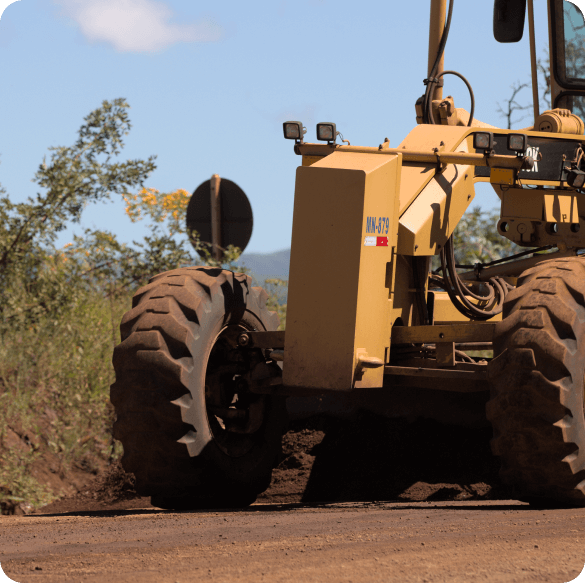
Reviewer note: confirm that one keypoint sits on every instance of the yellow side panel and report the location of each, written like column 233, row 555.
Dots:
column 446, row 313
column 502, row 176
column 344, row 228
column 525, row 203
column 429, row 221
column 310, row 160
column 561, row 209
column 426, row 137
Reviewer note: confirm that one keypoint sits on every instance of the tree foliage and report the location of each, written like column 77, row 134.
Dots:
column 38, row 278
column 477, row 240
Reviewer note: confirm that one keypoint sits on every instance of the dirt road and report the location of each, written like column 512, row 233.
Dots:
column 493, row 541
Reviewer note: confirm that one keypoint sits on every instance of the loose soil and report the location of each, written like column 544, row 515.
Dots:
column 449, row 520
column 334, row 460
column 415, row 542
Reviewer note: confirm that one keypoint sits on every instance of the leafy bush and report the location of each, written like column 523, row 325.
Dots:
column 61, row 307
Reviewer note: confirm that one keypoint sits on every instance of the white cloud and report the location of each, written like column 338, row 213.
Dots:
column 135, row 25
column 4, row 4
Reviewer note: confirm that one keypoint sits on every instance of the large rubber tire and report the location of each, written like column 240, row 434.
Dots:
column 537, row 376
column 178, row 353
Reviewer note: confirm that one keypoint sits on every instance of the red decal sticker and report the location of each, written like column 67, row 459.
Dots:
column 381, row 241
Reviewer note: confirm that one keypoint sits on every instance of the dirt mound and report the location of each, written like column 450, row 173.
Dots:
column 113, row 489
column 374, row 458
column 327, row 459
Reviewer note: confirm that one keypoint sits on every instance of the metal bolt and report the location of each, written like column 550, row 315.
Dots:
column 243, row 339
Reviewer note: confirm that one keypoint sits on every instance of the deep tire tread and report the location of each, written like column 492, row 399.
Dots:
column 151, row 391
column 536, row 405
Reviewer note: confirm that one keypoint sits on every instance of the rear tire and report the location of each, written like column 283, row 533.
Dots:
column 537, row 375
column 193, row 435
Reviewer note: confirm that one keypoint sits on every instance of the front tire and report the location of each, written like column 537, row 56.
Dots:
column 537, row 375
column 193, row 435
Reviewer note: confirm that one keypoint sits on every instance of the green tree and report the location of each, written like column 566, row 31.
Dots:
column 36, row 277
column 477, row 240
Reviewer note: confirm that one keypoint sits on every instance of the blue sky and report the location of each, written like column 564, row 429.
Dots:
column 210, row 83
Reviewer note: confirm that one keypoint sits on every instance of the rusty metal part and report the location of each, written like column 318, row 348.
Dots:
column 445, row 352
column 474, row 345
column 480, row 374
column 458, row 333
column 463, row 377
column 402, row 349
column 263, row 339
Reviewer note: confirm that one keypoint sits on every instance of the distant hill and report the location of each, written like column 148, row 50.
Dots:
column 265, row 265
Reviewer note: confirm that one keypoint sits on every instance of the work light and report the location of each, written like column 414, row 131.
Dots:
column 483, row 141
column 326, row 132
column 293, row 130
column 517, row 142
column 576, row 178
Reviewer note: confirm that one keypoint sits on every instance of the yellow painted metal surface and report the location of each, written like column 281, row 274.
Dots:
column 561, row 208
column 310, row 160
column 344, row 229
column 528, row 215
column 502, row 176
column 446, row 313
column 425, row 137
column 525, row 203
column 457, row 332
column 431, row 219
column 401, row 291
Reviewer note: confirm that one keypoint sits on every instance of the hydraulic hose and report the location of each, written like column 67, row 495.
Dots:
column 487, row 306
column 471, row 95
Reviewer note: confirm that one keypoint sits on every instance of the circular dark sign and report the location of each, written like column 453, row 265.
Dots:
column 235, row 215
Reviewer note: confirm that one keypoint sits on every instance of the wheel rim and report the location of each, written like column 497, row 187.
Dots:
column 235, row 415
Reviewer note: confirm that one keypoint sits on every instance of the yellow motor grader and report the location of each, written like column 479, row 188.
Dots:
column 203, row 374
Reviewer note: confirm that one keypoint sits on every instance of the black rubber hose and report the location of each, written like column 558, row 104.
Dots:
column 458, row 292
column 471, row 95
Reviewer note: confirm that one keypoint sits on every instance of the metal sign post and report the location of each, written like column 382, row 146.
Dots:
column 220, row 214
column 216, row 251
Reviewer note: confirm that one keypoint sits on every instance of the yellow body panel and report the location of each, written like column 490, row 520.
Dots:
column 310, row 160
column 424, row 138
column 503, row 176
column 561, row 208
column 446, row 313
column 432, row 217
column 527, row 215
column 518, row 202
column 339, row 304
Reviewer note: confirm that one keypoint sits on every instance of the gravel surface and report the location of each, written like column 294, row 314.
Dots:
column 370, row 499
column 458, row 542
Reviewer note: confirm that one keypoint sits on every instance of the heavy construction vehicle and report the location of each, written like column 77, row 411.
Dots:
column 202, row 374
